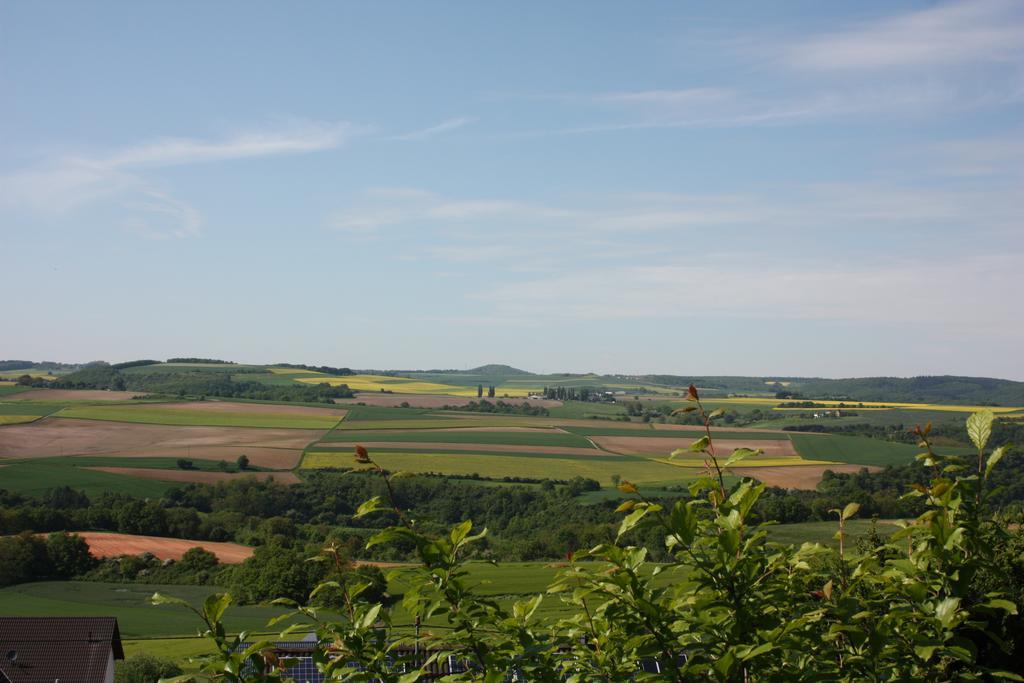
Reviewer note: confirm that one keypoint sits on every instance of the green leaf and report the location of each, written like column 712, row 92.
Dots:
column 850, row 510
column 215, row 605
column 1005, row 605
column 994, row 458
column 718, row 412
column 460, row 532
column 925, row 652
column 979, row 428
column 700, row 445
column 946, row 611
column 161, row 599
column 391, row 534
column 369, row 506
column 370, row 617
column 741, row 454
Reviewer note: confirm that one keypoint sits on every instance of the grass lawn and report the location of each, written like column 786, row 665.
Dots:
column 153, row 414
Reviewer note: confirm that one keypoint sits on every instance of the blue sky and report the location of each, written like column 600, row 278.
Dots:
column 791, row 188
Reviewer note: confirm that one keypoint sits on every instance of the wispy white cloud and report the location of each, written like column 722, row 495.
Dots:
column 294, row 138
column 443, row 127
column 892, row 291
column 70, row 182
column 956, row 33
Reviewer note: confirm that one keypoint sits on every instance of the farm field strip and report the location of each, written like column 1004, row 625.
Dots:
column 316, row 459
column 194, row 476
column 804, row 476
column 631, row 445
column 18, row 419
column 681, row 434
column 507, row 465
column 150, row 414
column 438, row 447
column 106, row 544
column 554, row 438
column 755, row 462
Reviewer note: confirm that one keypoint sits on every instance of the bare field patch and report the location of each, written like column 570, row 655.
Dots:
column 194, row 476
column 73, row 395
column 103, row 544
column 658, row 446
column 66, row 436
column 700, row 430
column 804, row 477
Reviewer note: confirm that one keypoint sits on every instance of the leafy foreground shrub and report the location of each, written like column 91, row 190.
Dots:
column 922, row 606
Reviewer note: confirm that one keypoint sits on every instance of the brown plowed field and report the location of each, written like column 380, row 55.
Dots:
column 473, row 447
column 111, row 545
column 433, row 400
column 194, row 476
column 654, row 445
column 547, row 430
column 805, row 477
column 253, row 408
column 266, row 447
column 73, row 395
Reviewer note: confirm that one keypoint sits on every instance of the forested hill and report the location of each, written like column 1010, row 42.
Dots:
column 931, row 389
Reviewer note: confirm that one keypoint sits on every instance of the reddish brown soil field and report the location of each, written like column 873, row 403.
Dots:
column 805, row 477
column 111, row 545
column 654, row 445
column 266, row 447
column 472, row 447
column 72, row 395
column 433, row 400
column 193, row 476
column 253, row 408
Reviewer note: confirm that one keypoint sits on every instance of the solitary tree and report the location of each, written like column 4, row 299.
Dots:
column 243, row 462
column 479, row 390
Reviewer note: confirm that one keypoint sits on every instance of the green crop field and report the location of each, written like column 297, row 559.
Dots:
column 601, row 468
column 856, row 450
column 824, row 532
column 552, row 438
column 357, row 413
column 129, row 603
column 696, row 433
column 36, row 476
column 584, row 409
column 153, row 414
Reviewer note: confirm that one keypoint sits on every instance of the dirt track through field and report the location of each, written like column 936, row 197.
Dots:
column 73, row 395
column 103, row 544
column 195, row 476
column 473, row 447
column 265, row 446
column 658, row 446
column 804, row 477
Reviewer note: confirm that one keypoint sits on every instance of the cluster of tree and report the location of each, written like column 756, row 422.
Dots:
column 27, row 557
column 204, row 361
column 197, row 567
column 480, row 391
column 576, row 394
column 134, row 364
column 324, row 369
column 47, row 365
column 189, row 382
column 524, row 408
column 241, row 464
